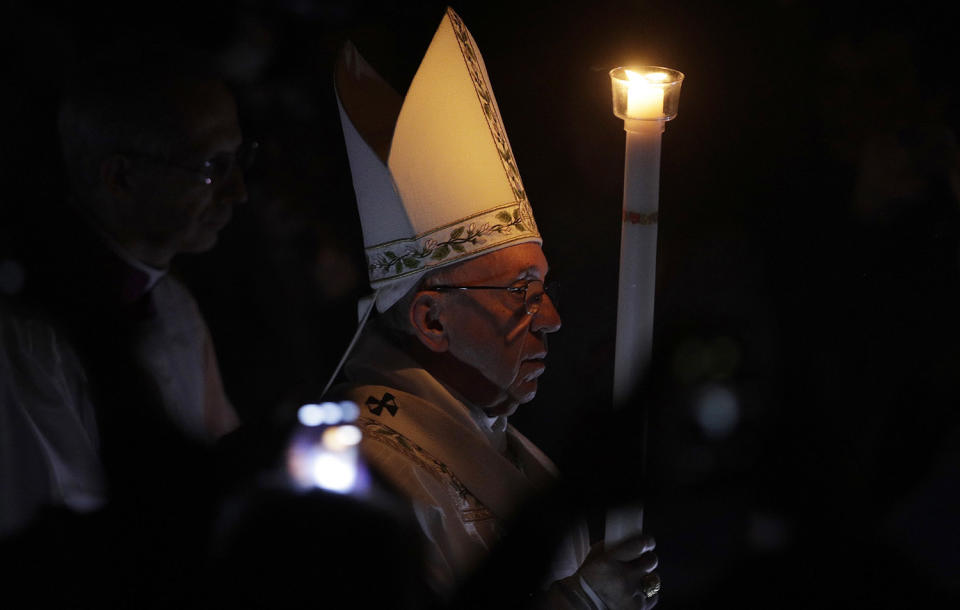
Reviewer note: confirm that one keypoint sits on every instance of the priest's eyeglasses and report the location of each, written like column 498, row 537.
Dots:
column 215, row 169
column 531, row 292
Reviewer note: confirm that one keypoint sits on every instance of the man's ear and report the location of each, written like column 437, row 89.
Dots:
column 426, row 319
column 115, row 176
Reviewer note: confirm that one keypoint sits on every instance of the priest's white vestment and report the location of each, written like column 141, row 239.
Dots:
column 466, row 473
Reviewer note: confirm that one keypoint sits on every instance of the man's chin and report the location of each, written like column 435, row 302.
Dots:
column 201, row 243
column 525, row 392
column 521, row 395
column 508, row 408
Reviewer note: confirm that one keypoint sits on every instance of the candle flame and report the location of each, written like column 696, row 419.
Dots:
column 650, row 77
column 645, row 94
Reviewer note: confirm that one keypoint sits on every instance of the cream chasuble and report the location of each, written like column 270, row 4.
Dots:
column 429, row 444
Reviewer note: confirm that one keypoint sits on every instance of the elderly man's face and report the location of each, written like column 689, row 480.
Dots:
column 491, row 332
column 177, row 202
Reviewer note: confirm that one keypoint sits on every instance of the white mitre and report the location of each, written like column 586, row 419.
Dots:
column 434, row 174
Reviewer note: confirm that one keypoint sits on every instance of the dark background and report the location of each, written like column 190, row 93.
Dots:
column 804, row 449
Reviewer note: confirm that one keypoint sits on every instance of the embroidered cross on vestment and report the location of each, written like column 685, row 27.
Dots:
column 388, row 402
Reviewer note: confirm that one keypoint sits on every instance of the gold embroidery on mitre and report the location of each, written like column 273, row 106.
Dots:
column 465, row 237
column 489, row 104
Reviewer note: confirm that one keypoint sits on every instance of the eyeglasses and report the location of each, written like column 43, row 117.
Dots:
column 531, row 292
column 217, row 167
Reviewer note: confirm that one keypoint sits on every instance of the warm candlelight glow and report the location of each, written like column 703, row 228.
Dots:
column 645, row 94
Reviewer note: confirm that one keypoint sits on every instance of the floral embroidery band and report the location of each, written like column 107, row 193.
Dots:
column 469, row 236
column 487, row 102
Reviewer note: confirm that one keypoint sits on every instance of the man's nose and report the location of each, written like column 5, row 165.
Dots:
column 233, row 189
column 547, row 319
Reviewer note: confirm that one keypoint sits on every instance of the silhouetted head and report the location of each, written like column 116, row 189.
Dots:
column 153, row 151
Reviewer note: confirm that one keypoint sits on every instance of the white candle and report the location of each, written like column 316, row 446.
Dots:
column 636, row 290
column 640, row 100
column 638, row 259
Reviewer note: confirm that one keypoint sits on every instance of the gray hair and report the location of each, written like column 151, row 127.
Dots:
column 396, row 320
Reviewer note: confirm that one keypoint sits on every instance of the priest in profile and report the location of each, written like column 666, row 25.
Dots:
column 463, row 313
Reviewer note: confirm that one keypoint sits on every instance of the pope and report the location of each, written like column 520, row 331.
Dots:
column 463, row 313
